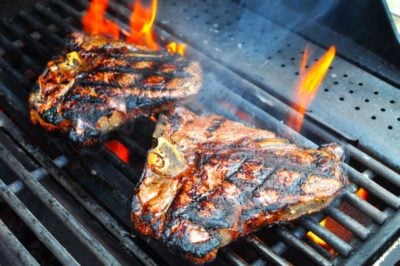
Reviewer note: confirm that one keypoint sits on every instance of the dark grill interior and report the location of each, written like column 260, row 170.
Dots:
column 69, row 206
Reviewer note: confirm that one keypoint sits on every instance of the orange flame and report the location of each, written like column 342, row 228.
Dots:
column 308, row 83
column 153, row 118
column 118, row 149
column 304, row 59
column 329, row 223
column 176, row 48
column 141, row 23
column 362, row 193
column 94, row 21
column 318, row 240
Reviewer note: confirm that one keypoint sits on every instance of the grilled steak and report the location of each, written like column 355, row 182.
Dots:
column 210, row 180
column 100, row 83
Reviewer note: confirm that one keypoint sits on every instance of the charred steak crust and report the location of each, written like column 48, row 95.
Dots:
column 210, row 180
column 99, row 84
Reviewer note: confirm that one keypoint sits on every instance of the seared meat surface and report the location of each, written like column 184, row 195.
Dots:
column 210, row 180
column 100, row 83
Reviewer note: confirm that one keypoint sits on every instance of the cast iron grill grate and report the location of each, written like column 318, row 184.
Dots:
column 84, row 200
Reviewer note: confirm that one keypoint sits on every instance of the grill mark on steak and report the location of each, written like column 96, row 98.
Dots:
column 144, row 71
column 100, row 84
column 210, row 180
column 216, row 124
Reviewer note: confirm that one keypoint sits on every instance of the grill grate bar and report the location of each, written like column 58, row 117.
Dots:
column 121, row 166
column 36, row 226
column 57, row 208
column 120, row 9
column 348, row 222
column 40, row 27
column 20, row 33
column 12, row 243
column 281, row 247
column 375, row 165
column 51, row 15
column 107, row 185
column 265, row 251
column 333, row 240
column 20, row 79
column 11, row 97
column 364, row 206
column 133, row 146
column 78, row 193
column 16, row 52
column 232, row 257
column 292, row 240
column 373, row 187
column 38, row 174
column 68, row 9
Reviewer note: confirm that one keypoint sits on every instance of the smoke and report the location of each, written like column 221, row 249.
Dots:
column 256, row 42
column 292, row 14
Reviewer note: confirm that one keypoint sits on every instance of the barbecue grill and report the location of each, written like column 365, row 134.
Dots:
column 69, row 206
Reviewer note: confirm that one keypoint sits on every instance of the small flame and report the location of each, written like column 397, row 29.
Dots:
column 118, row 149
column 141, row 24
column 94, row 20
column 319, row 241
column 331, row 225
column 153, row 118
column 362, row 193
column 176, row 48
column 304, row 60
column 308, row 84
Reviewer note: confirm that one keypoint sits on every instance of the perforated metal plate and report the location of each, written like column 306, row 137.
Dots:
column 353, row 102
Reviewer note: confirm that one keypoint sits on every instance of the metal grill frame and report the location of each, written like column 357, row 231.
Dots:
column 385, row 222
